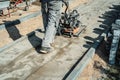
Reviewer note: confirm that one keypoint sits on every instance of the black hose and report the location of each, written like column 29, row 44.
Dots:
column 67, row 5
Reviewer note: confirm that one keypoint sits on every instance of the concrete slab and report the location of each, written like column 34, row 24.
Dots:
column 22, row 59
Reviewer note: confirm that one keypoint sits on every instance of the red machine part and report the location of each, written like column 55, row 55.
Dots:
column 18, row 1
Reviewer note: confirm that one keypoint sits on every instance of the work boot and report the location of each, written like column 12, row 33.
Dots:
column 46, row 50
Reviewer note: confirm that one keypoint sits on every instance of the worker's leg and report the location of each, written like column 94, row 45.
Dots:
column 44, row 11
column 56, row 25
column 54, row 8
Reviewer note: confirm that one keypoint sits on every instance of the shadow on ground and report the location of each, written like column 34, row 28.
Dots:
column 14, row 34
column 109, row 72
column 109, row 17
column 12, row 29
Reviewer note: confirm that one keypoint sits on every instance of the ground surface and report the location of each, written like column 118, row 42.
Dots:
column 99, row 69
column 91, row 12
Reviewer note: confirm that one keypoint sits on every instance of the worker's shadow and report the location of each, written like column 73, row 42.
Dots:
column 12, row 29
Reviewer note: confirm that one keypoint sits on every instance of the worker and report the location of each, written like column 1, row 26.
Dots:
column 51, row 13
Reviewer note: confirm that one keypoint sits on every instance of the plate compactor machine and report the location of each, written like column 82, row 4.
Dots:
column 69, row 25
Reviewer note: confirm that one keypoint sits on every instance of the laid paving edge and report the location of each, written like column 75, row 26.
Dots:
column 12, row 43
column 18, row 21
column 17, row 41
column 13, row 50
column 86, row 59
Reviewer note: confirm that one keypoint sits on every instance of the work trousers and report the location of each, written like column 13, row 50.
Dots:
column 51, row 13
